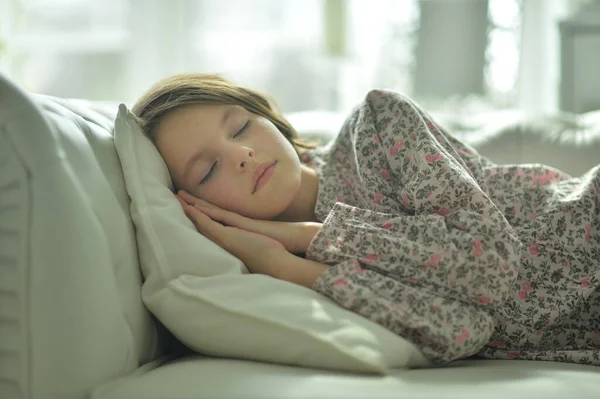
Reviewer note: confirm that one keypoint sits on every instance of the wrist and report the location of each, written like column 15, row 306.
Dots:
column 309, row 231
column 300, row 271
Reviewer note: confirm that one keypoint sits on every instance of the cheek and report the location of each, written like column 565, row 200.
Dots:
column 228, row 196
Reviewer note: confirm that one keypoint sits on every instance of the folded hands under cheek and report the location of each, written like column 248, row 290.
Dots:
column 253, row 241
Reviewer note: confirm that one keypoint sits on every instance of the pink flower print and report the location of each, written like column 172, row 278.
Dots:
column 460, row 338
column 370, row 258
column 398, row 146
column 587, row 228
column 358, row 268
column 341, row 281
column 566, row 264
column 543, row 179
column 525, row 288
column 512, row 355
column 477, row 251
column 499, row 343
column 341, row 198
column 385, row 174
column 534, row 249
column 443, row 211
column 405, row 201
column 412, row 280
column 532, row 216
column 431, row 126
column 555, row 308
column 452, row 283
column 348, row 184
column 387, row 226
column 484, row 300
column 430, row 158
column 400, row 309
column 376, row 139
column 433, row 262
column 466, row 153
column 585, row 283
column 378, row 197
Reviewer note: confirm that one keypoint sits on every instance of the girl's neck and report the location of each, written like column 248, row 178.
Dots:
column 302, row 208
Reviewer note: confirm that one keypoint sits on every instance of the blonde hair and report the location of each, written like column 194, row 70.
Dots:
column 202, row 88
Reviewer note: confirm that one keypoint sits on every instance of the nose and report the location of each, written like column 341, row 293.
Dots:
column 247, row 156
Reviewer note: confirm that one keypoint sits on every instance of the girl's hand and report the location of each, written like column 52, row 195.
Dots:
column 259, row 253
column 294, row 236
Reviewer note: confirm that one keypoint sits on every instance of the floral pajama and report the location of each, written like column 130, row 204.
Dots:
column 456, row 254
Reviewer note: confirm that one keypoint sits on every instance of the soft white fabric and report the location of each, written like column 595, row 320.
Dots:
column 71, row 316
column 464, row 379
column 207, row 298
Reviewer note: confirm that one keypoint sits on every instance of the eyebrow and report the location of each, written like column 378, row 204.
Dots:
column 199, row 155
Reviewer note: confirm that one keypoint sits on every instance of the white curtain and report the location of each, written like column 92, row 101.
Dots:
column 309, row 54
column 539, row 74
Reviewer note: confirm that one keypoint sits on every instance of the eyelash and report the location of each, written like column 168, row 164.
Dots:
column 210, row 172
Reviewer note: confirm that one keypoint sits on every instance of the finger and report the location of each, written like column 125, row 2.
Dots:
column 190, row 199
column 181, row 202
column 193, row 200
column 203, row 223
column 226, row 217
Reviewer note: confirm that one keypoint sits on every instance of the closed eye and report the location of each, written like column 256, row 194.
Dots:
column 210, row 172
column 244, row 128
column 205, row 179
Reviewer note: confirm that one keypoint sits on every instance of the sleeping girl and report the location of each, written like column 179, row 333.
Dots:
column 394, row 219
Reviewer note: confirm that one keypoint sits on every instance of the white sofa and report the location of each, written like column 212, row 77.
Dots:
column 72, row 323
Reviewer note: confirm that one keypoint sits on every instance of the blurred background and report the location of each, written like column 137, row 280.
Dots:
column 537, row 55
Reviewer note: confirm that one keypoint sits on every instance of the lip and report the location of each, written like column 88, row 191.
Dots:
column 259, row 172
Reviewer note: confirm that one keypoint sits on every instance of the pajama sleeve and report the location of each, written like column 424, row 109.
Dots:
column 433, row 271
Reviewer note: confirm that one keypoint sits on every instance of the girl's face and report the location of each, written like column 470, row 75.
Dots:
column 214, row 152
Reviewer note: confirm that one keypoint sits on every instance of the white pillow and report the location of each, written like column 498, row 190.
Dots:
column 206, row 297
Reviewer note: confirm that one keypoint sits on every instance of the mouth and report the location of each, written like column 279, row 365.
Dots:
column 262, row 174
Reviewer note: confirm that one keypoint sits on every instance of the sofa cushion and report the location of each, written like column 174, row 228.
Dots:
column 71, row 314
column 463, row 379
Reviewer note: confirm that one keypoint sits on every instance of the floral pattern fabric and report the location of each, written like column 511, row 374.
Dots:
column 458, row 255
